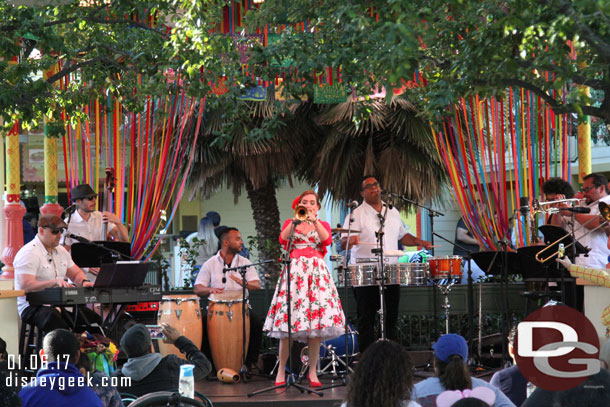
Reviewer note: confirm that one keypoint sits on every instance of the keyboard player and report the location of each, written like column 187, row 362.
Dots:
column 43, row 263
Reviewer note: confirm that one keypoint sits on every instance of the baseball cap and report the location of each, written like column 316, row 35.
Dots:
column 136, row 341
column 52, row 222
column 449, row 345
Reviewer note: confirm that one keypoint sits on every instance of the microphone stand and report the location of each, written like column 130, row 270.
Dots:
column 289, row 378
column 504, row 287
column 243, row 371
column 343, row 269
column 381, row 273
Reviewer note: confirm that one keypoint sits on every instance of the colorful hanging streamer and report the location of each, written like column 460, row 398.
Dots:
column 498, row 150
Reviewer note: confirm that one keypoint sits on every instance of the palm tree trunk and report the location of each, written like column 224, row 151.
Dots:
column 267, row 222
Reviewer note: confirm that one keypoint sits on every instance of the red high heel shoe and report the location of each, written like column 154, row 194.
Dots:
column 314, row 384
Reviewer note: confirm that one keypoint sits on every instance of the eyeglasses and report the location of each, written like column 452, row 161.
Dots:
column 374, row 184
column 587, row 189
column 91, row 197
column 54, row 231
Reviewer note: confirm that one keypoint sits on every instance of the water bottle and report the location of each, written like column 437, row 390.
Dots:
column 186, row 385
column 530, row 389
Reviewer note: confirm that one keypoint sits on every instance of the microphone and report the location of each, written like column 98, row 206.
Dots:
column 70, row 209
column 79, row 238
column 578, row 209
column 524, row 203
column 352, row 204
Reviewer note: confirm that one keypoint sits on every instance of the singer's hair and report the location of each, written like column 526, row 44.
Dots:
column 557, row 185
column 310, row 192
column 598, row 180
column 205, row 231
column 59, row 345
column 383, row 377
column 453, row 375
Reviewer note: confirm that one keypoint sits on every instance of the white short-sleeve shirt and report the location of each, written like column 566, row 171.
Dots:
column 596, row 241
column 90, row 229
column 211, row 273
column 366, row 220
column 35, row 260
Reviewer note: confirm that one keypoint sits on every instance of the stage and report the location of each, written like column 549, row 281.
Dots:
column 236, row 394
column 222, row 394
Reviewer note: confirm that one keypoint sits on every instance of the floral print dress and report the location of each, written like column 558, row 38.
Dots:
column 315, row 306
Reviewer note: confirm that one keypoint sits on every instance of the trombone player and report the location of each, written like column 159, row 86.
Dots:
column 590, row 229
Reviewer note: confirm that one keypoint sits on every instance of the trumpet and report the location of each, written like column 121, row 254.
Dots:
column 301, row 213
column 604, row 213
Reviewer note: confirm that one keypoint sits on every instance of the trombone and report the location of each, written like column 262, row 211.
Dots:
column 604, row 213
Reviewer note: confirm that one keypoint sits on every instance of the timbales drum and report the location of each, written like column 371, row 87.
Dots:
column 445, row 267
column 407, row 273
column 362, row 274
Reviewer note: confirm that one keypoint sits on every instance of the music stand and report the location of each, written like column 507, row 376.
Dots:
column 98, row 253
column 556, row 235
column 491, row 262
column 502, row 263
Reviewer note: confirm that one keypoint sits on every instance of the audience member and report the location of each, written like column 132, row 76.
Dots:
column 60, row 383
column 383, row 378
column 595, row 391
column 479, row 397
column 105, row 391
column 450, row 354
column 150, row 372
column 205, row 232
column 3, row 357
column 8, row 397
column 510, row 380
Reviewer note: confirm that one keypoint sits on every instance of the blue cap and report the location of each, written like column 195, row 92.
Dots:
column 449, row 345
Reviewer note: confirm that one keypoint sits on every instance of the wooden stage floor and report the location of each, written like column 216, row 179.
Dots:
column 236, row 394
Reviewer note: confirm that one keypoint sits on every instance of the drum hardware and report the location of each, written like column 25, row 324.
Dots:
column 343, row 230
column 287, row 261
column 445, row 289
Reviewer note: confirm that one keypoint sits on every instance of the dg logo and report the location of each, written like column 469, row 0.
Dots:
column 557, row 348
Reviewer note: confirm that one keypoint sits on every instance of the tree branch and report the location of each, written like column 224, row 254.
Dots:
column 602, row 47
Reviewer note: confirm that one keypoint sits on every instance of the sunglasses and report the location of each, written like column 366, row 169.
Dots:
column 91, row 197
column 374, row 184
column 54, row 231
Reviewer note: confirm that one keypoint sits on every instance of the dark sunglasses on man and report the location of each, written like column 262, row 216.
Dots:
column 54, row 231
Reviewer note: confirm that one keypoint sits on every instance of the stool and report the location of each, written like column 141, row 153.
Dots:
column 30, row 343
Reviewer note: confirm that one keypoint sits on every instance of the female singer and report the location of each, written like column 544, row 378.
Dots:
column 316, row 312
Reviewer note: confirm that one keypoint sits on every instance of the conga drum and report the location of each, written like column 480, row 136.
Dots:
column 183, row 313
column 225, row 329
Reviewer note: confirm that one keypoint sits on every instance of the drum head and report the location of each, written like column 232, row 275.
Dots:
column 225, row 296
